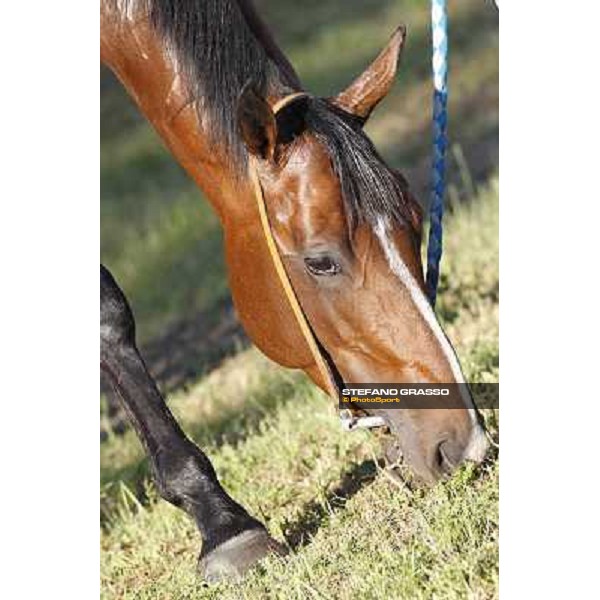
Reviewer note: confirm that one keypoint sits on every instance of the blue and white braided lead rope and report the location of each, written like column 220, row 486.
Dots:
column 439, row 25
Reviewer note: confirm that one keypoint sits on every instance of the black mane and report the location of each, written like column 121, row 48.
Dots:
column 218, row 53
column 216, row 44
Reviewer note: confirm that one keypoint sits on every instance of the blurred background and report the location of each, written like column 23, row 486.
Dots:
column 272, row 437
column 159, row 236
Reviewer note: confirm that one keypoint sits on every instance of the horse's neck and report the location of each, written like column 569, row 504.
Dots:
column 134, row 51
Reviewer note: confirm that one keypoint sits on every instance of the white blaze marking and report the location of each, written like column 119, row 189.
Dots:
column 478, row 442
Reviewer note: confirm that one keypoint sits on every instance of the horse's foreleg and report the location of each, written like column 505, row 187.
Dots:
column 184, row 476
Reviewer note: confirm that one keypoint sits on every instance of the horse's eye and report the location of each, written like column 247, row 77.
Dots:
column 322, row 265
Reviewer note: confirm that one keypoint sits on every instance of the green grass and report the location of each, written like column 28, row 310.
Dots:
column 274, row 439
column 278, row 448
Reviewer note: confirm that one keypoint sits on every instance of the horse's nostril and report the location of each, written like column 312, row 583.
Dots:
column 444, row 458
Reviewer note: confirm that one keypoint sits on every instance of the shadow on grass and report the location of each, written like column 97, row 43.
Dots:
column 298, row 533
column 192, row 347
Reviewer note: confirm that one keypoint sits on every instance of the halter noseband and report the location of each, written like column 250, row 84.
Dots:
column 349, row 420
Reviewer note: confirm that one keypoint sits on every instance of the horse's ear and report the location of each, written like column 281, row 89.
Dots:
column 256, row 122
column 369, row 88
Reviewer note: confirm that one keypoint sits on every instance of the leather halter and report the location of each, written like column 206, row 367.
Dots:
column 349, row 420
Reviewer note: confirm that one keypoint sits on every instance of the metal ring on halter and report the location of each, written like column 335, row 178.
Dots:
column 351, row 422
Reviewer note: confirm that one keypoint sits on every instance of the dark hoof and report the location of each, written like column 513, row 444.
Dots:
column 233, row 558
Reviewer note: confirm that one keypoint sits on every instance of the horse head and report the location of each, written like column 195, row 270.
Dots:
column 348, row 231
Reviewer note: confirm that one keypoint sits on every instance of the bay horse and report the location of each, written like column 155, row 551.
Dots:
column 209, row 77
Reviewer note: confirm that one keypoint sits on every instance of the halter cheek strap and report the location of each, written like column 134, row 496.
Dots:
column 349, row 420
